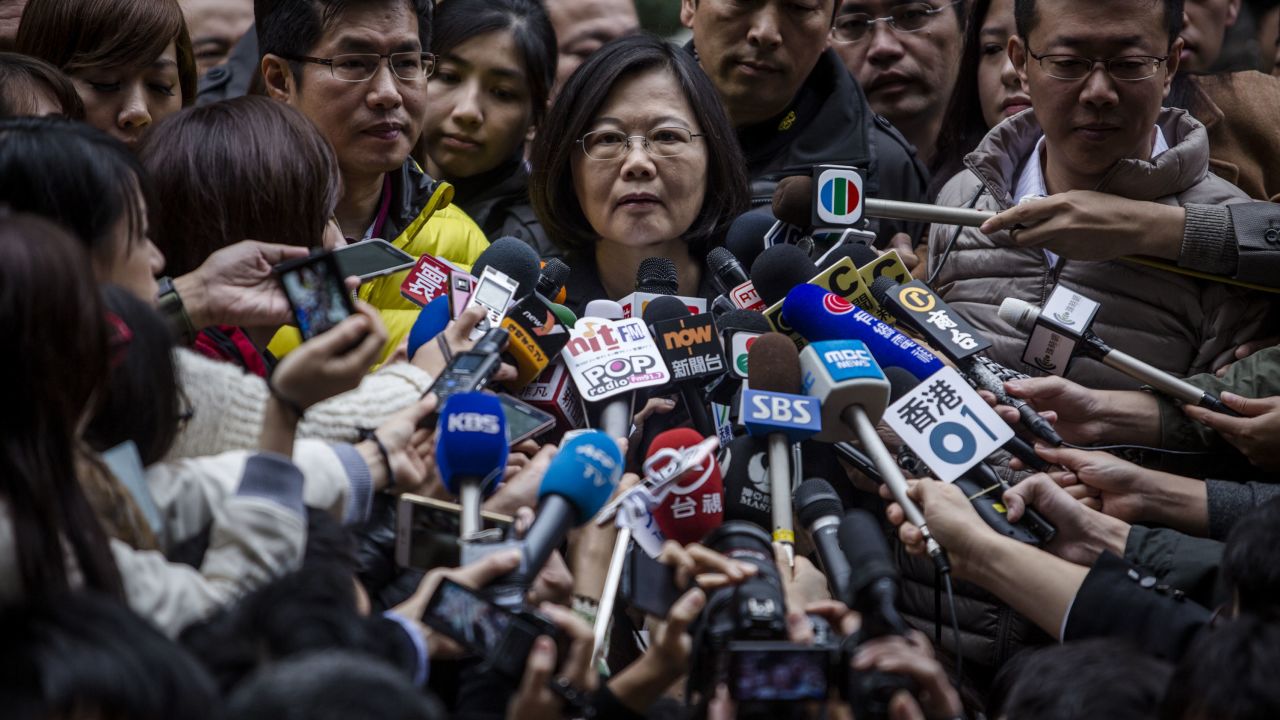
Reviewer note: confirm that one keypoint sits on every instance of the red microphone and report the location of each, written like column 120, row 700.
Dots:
column 694, row 505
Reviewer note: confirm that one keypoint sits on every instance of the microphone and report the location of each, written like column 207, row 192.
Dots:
column 853, row 392
column 695, row 505
column 471, row 451
column 551, row 282
column 657, row 277
column 819, row 508
column 609, row 360
column 537, row 335
column 747, row 235
column 554, row 393
column 800, row 192
column 738, row 332
column 731, row 280
column 1023, row 315
column 873, row 579
column 429, row 279
column 578, row 482
column 515, row 259
column 860, row 254
column 432, row 320
column 772, row 406
column 746, row 481
column 607, row 309
column 691, row 349
column 820, row 316
column 916, row 305
column 981, row 484
column 783, row 267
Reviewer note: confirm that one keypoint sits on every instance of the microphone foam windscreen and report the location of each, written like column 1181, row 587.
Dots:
column 745, row 237
column 514, row 258
column 695, row 505
column 864, row 546
column 555, row 273
column 775, row 364
column 658, row 275
column 881, row 288
column 860, row 254
column 779, row 269
column 471, row 439
column 816, row 498
column 743, row 320
column 602, row 308
column 793, row 200
column 667, row 307
column 584, row 472
column 431, row 321
column 901, row 382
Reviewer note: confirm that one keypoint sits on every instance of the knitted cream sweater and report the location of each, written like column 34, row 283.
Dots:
column 228, row 405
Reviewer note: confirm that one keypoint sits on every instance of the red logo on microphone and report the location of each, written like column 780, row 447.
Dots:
column 836, row 305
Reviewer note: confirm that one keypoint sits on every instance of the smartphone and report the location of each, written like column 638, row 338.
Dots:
column 316, row 293
column 502, row 638
column 427, row 531
column 778, row 672
column 648, row 585
column 372, row 258
column 524, row 421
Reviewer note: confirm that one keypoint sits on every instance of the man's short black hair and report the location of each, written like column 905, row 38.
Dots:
column 1024, row 15
column 1251, row 561
column 1102, row 678
column 293, row 27
column 1228, row 674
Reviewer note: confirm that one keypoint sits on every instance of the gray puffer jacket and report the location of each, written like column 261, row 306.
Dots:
column 1176, row 322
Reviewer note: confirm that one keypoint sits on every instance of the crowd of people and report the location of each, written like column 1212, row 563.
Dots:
column 210, row 510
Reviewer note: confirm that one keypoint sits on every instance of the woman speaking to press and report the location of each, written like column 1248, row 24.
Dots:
column 644, row 163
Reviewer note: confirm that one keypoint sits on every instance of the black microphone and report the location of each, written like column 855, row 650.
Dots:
column 659, row 276
column 515, row 259
column 981, row 484
column 860, row 254
column 819, row 507
column 555, row 273
column 780, row 268
column 956, row 339
column 738, row 330
column 745, row 237
column 873, row 579
column 670, row 308
column 726, row 272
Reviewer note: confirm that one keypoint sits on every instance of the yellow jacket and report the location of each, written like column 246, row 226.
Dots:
column 423, row 222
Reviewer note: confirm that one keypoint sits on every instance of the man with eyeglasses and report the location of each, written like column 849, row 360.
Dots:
column 359, row 70
column 905, row 55
column 1097, row 72
column 795, row 105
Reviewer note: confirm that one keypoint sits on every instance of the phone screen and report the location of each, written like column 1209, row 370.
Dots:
column 371, row 258
column 778, row 673
column 317, row 295
column 467, row 618
column 432, row 527
column 523, row 420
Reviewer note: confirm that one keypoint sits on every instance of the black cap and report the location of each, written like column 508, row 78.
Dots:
column 658, row 275
column 815, row 498
column 779, row 269
column 514, row 258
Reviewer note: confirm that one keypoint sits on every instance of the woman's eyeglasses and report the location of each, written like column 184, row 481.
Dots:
column 659, row 142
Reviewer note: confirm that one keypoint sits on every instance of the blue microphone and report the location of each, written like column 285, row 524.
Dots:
column 471, row 450
column 431, row 322
column 577, row 484
column 819, row 315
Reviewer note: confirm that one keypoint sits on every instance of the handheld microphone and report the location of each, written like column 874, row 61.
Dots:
column 551, row 282
column 657, row 277
column 578, row 482
column 746, row 236
column 1023, row 315
column 783, row 267
column 801, row 188
column 609, row 360
column 772, row 406
column 819, row 509
column 691, row 349
column 731, row 280
column 982, row 485
column 607, row 309
column 471, row 451
column 853, row 391
column 515, row 259
column 873, row 580
column 916, row 305
column 695, row 505
column 537, row 336
column 860, row 254
column 739, row 330
column 431, row 321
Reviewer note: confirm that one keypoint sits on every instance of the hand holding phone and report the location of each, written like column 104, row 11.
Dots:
column 316, row 293
column 331, row 363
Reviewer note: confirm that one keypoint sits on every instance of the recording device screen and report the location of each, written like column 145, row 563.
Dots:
column 493, row 295
column 371, row 258
column 769, row 672
column 467, row 618
column 316, row 293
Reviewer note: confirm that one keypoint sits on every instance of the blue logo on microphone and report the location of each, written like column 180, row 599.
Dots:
column 847, row 360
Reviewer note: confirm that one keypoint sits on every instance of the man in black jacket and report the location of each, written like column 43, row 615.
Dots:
column 794, row 104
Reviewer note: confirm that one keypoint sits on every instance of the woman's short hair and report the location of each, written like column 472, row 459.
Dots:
column 457, row 21
column 76, row 34
column 551, row 182
column 74, row 175
column 248, row 168
column 21, row 76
